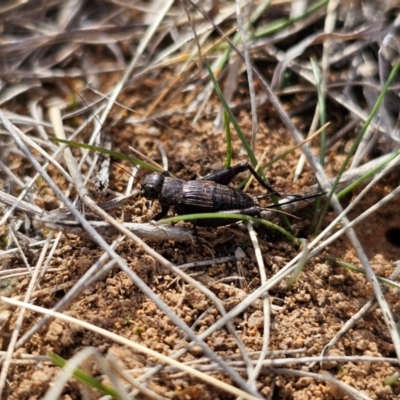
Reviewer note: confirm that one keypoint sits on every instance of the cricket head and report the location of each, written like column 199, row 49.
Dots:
column 152, row 185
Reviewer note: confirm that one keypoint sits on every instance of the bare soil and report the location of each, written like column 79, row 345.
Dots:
column 305, row 316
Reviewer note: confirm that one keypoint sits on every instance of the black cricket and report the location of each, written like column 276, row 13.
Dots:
column 209, row 194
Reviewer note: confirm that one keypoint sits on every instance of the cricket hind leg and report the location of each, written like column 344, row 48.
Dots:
column 163, row 213
column 226, row 176
column 254, row 211
column 196, row 234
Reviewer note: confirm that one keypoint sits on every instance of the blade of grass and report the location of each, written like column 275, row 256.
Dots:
column 391, row 380
column 228, row 137
column 282, row 23
column 300, row 265
column 191, row 217
column 361, row 271
column 112, row 153
column 268, row 30
column 373, row 112
column 236, row 39
column 366, row 176
column 241, row 135
column 231, row 116
column 85, row 378
column 249, row 71
column 149, row 160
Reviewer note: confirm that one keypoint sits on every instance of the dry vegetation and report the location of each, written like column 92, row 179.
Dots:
column 152, row 311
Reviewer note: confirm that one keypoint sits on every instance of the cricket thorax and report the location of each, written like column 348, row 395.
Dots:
column 171, row 192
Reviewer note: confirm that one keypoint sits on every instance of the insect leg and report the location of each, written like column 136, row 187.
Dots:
column 295, row 198
column 260, row 181
column 162, row 214
column 196, row 233
column 225, row 176
column 252, row 211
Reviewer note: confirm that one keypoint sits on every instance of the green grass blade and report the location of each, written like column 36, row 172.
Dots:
column 232, row 118
column 191, row 217
column 236, row 39
column 242, row 138
column 361, row 271
column 112, row 153
column 369, row 174
column 373, row 112
column 283, row 23
column 85, row 378
column 300, row 265
column 392, row 379
column 228, row 136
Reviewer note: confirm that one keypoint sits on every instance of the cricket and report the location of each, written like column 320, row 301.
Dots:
column 205, row 195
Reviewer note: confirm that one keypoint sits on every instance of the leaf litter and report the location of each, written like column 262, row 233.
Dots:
column 130, row 75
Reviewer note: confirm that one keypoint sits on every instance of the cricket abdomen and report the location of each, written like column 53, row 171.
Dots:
column 207, row 196
column 227, row 198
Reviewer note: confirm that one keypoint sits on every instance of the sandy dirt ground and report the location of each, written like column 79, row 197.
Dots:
column 304, row 317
